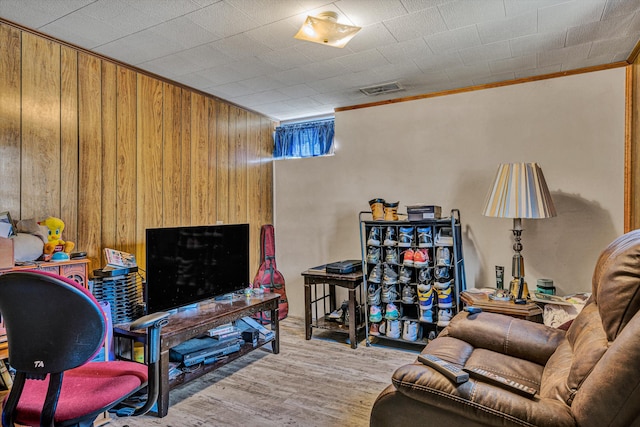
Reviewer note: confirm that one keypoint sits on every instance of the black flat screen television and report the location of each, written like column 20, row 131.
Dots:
column 186, row 265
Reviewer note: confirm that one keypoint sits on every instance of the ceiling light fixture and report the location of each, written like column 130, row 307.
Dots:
column 325, row 29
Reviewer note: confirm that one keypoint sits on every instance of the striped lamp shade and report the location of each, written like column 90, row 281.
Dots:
column 519, row 191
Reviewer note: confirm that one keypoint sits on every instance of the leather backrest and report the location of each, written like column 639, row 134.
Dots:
column 616, row 283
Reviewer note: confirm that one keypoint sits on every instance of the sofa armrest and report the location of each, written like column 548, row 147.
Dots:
column 507, row 335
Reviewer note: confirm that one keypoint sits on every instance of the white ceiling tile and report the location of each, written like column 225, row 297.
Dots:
column 35, row 14
column 598, row 30
column 518, row 64
column 417, row 24
column 406, row 50
column 185, row 32
column 319, row 52
column 363, row 60
column 368, row 12
column 508, row 28
column 619, row 8
column 549, row 69
column 293, row 76
column 222, row 19
column 518, row 7
column 479, row 69
column 298, row 91
column 278, row 35
column 259, row 98
column 82, row 30
column 560, row 56
column 121, row 15
column 617, row 45
column 416, row 5
column 537, row 43
column 162, row 10
column 494, row 78
column 570, row 14
column 575, row 63
column 262, row 83
column 266, row 11
column 239, row 46
column 441, row 61
column 172, row 65
column 230, row 90
column 457, row 39
column 205, row 56
column 371, row 37
column 462, row 13
column 285, row 58
column 486, row 52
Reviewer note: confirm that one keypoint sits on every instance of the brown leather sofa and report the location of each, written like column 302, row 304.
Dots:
column 586, row 376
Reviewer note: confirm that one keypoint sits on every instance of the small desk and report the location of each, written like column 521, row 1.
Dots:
column 529, row 311
column 319, row 276
column 192, row 323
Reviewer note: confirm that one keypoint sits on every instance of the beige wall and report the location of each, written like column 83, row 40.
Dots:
column 445, row 151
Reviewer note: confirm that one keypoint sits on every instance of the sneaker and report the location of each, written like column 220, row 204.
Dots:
column 425, row 295
column 424, row 275
column 444, row 237
column 391, row 256
column 391, row 312
column 444, row 316
column 393, row 329
column 376, row 274
column 421, row 257
column 373, row 255
column 407, row 258
column 432, row 335
column 382, row 329
column 374, row 329
column 410, row 330
column 443, row 256
column 374, row 237
column 375, row 315
column 405, row 275
column 425, row 239
column 445, row 299
column 408, row 294
column 390, row 237
column 390, row 277
column 373, row 294
column 406, row 237
column 336, row 314
column 442, row 273
column 426, row 315
column 389, row 293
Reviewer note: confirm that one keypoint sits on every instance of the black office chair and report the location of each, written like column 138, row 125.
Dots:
column 55, row 328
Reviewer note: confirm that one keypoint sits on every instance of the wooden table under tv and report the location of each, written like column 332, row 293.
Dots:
column 195, row 322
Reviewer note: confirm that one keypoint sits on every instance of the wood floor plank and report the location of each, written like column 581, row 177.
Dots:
column 319, row 382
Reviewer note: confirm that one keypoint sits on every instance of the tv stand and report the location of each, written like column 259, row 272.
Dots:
column 188, row 324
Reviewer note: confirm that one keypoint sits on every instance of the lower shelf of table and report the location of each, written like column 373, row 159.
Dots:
column 332, row 325
column 201, row 369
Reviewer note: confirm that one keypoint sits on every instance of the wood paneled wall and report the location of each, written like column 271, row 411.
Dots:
column 113, row 151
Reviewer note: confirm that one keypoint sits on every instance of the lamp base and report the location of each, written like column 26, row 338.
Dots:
column 519, row 289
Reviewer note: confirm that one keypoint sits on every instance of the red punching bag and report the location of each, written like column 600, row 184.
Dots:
column 268, row 275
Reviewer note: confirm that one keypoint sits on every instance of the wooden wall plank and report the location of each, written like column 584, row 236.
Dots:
column 199, row 159
column 10, row 137
column 69, row 141
column 171, row 158
column 185, row 153
column 96, row 140
column 108, row 170
column 222, row 162
column 90, row 156
column 149, row 156
column 40, row 128
column 126, row 165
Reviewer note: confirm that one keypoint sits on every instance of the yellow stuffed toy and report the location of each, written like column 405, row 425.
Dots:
column 55, row 243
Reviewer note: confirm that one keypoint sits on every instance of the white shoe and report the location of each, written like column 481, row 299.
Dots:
column 394, row 329
column 410, row 330
column 444, row 316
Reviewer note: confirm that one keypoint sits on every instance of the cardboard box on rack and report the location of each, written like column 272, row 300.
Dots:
column 6, row 253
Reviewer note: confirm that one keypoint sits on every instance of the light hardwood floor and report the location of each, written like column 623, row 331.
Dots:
column 320, row 382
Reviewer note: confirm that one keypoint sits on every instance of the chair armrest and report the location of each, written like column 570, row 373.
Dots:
column 149, row 320
column 507, row 335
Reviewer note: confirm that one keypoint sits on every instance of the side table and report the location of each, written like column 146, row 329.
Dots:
column 316, row 299
column 480, row 298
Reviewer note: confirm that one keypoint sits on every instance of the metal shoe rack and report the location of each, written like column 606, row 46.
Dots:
column 445, row 233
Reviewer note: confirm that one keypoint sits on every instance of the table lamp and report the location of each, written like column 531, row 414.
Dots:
column 519, row 191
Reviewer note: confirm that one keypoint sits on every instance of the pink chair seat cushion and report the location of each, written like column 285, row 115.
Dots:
column 85, row 389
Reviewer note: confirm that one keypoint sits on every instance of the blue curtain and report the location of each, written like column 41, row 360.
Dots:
column 306, row 139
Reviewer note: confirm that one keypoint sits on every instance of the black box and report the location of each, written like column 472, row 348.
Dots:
column 250, row 335
column 344, row 267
